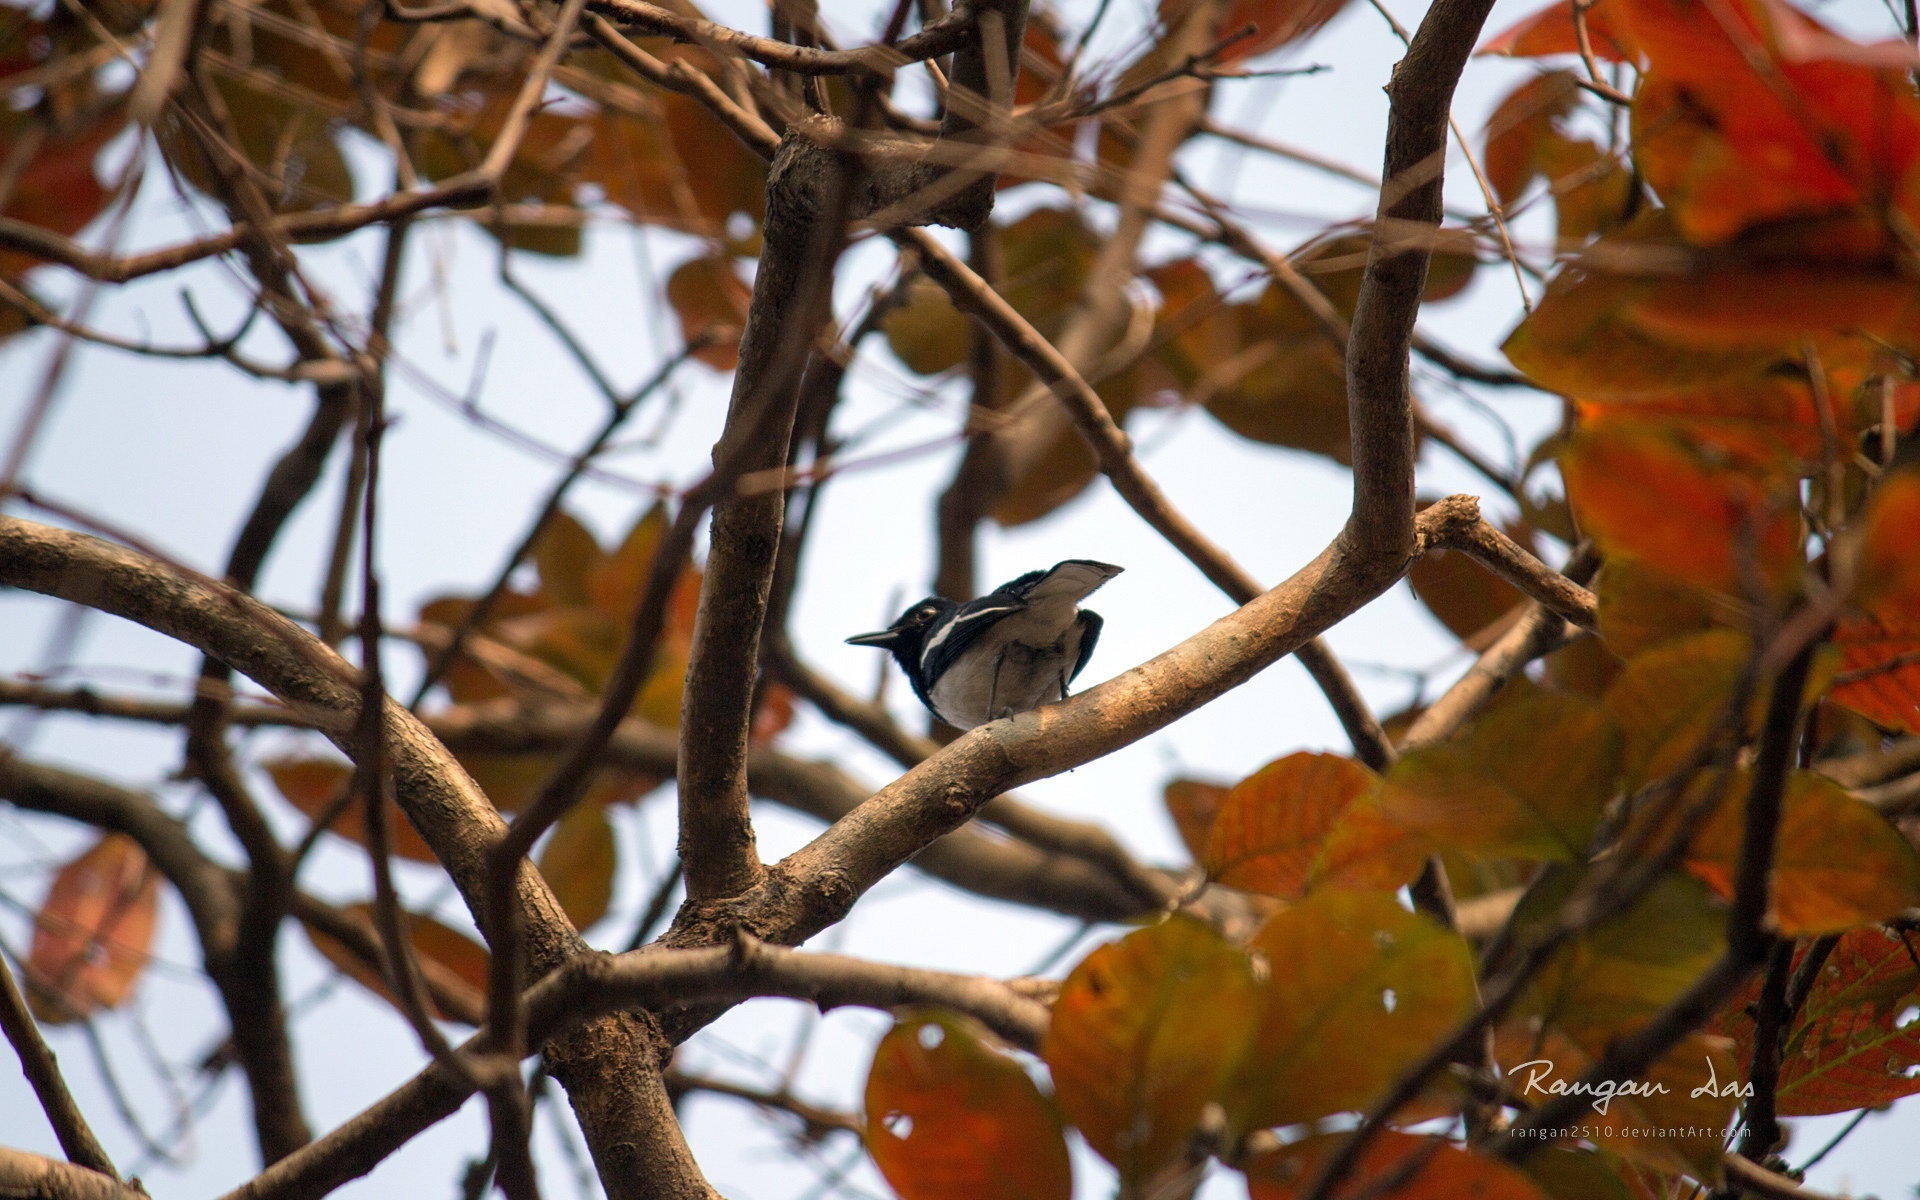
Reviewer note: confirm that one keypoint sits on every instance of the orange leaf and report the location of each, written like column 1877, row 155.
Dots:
column 710, row 300
column 92, row 933
column 1652, row 497
column 1193, row 805
column 951, row 1117
column 315, row 786
column 1747, row 114
column 1552, row 31
column 1272, row 824
column 1132, row 1066
column 1519, row 128
column 1370, row 850
column 1274, row 22
column 1839, row 863
column 56, row 188
column 450, row 962
column 1358, row 989
column 772, row 712
column 1640, row 608
column 1581, row 341
column 578, row 862
column 1889, row 570
column 1434, row 1170
column 614, row 587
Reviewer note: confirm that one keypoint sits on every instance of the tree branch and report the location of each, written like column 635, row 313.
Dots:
column 610, row 1068
column 32, row 1177
column 42, row 1069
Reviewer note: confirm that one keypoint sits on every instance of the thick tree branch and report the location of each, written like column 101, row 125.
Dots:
column 1113, row 450
column 610, row 1068
column 599, row 983
column 31, row 1177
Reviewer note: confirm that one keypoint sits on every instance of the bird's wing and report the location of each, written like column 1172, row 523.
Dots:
column 1090, row 627
column 1069, row 582
column 952, row 640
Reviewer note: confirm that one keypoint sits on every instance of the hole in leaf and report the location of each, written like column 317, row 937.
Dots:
column 898, row 1124
column 930, row 1037
column 1388, row 1000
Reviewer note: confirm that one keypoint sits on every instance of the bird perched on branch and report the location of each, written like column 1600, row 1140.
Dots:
column 1015, row 648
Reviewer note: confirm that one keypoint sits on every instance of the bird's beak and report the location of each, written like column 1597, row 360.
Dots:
column 885, row 639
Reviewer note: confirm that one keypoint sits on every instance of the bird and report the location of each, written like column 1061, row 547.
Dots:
column 1015, row 648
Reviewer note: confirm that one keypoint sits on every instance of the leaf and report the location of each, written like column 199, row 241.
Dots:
column 1552, row 31
column 951, row 1117
column 1582, row 340
column 1369, row 850
column 1133, row 1066
column 1671, row 1117
column 1745, row 116
column 1652, row 497
column 566, row 555
column 926, row 332
column 1530, row 780
column 1639, row 607
column 1669, row 699
column 578, row 862
column 315, row 785
column 56, row 188
column 286, row 135
column 1266, row 368
column 1879, row 671
column 1444, row 1171
column 1889, row 571
column 1275, row 22
column 1838, row 863
column 451, row 963
column 1623, row 972
column 1272, row 824
column 1357, row 990
column 615, row 586
column 1855, row 1042
column 93, row 932
column 710, row 300
column 1520, row 127
column 1193, row 804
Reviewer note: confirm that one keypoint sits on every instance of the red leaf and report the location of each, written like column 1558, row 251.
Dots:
column 951, row 1117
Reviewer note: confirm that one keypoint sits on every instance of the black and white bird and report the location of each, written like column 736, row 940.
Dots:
column 1015, row 648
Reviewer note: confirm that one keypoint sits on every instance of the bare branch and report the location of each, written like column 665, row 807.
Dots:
column 42, row 1069
column 32, row 1177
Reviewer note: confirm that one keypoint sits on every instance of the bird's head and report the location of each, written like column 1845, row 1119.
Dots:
column 907, row 634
